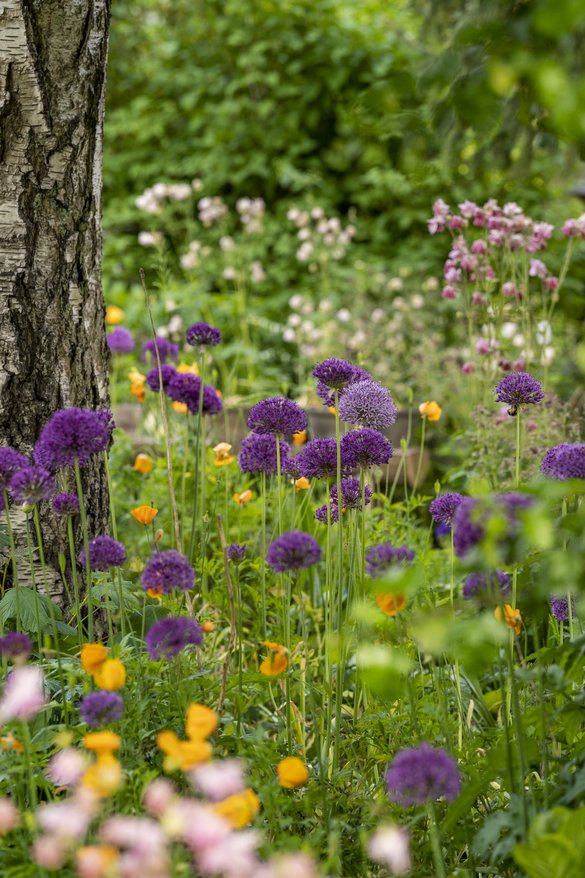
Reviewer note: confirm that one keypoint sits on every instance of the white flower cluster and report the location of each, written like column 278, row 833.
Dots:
column 211, row 210
column 251, row 211
column 320, row 237
column 152, row 199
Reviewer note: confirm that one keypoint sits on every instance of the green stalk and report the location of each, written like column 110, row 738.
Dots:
column 287, row 641
column 34, row 586
column 74, row 578
column 15, row 583
column 340, row 664
column 238, row 591
column 115, row 536
column 439, row 863
column 86, row 550
column 264, row 624
column 518, row 443
column 27, row 744
column 278, row 485
column 421, row 452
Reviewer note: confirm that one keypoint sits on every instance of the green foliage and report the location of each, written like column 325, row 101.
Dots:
column 25, row 603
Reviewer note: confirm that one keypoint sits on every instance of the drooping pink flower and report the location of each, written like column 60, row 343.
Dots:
column 24, row 694
column 234, row 857
column 220, row 779
column 158, row 795
column 66, row 767
column 9, row 816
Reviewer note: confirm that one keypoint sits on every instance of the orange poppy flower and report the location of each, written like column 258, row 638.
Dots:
column 183, row 754
column 208, row 627
column 430, row 410
column 302, row 484
column 93, row 655
column 243, row 498
column 222, row 454
column 512, row 617
column 180, row 407
column 186, row 369
column 110, row 675
column 104, row 777
column 299, row 438
column 102, row 742
column 142, row 464
column 201, row 721
column 114, row 315
column 391, row 603
column 144, row 514
column 240, row 809
column 292, row 772
column 138, row 391
column 276, row 661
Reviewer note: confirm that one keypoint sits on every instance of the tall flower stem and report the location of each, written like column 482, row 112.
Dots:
column 278, row 485
column 197, row 460
column 439, row 862
column 15, row 583
column 421, row 452
column 339, row 677
column 239, row 627
column 85, row 549
column 74, row 579
column 115, row 536
column 263, row 583
column 456, row 666
column 287, row 643
column 518, row 445
column 34, row 587
column 27, row 744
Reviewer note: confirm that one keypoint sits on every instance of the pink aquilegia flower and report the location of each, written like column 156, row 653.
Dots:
column 24, row 694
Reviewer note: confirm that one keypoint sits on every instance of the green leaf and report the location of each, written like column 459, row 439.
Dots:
column 23, row 602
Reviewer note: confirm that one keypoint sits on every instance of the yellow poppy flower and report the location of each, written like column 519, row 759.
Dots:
column 222, row 454
column 96, row 859
column 208, row 627
column 183, row 754
column 138, row 391
column 430, row 410
column 512, row 617
column 104, row 777
column 276, row 661
column 391, row 603
column 243, row 498
column 300, row 438
column 188, row 369
column 136, row 377
column 102, row 742
column 201, row 722
column 240, row 809
column 331, row 408
column 9, row 742
column 93, row 655
column 180, row 407
column 144, row 514
column 302, row 484
column 153, row 593
column 114, row 315
column 111, row 675
column 292, row 772
column 142, row 464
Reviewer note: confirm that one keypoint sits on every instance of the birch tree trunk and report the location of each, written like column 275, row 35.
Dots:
column 53, row 351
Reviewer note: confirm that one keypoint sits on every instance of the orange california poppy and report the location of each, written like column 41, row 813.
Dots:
column 430, row 410
column 144, row 514
column 142, row 464
column 512, row 617
column 391, row 603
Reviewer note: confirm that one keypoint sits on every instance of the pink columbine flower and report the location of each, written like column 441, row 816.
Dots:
column 467, row 368
column 449, row 292
column 158, row 795
column 9, row 816
column 537, row 268
column 24, row 694
column 66, row 767
column 201, row 827
column 49, row 851
column 479, row 247
column 551, row 283
column 218, row 780
column 390, row 846
column 234, row 857
column 509, row 289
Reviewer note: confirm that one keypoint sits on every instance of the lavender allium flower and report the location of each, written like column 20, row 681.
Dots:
column 294, row 550
column 15, row 645
column 365, row 448
column 212, row 404
column 152, row 378
column 168, row 570
column 486, row 585
column 379, row 558
column 203, row 334
column 327, row 512
column 171, row 635
column 258, row 454
column 422, row 774
column 368, row 404
column 73, row 434
column 277, row 415
column 473, row 513
column 351, row 494
column 120, row 341
column 32, row 484
column 186, row 388
column 564, row 461
column 10, row 462
column 318, row 459
column 444, row 506
column 104, row 552
column 65, row 504
column 236, row 552
column 334, row 373
column 519, row 388
column 101, row 708
column 559, row 607
column 167, row 350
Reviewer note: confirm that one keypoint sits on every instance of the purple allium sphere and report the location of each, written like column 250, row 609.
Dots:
column 32, row 484
column 15, row 645
column 120, row 341
column 152, row 378
column 519, row 388
column 422, row 774
column 327, row 513
column 73, row 434
column 168, row 570
column 258, row 454
column 444, row 506
column 167, row 350
column 65, row 504
column 294, row 550
column 212, row 404
column 10, row 462
column 379, row 558
column 365, row 448
column 277, row 415
column 559, row 607
column 104, row 552
column 236, row 552
column 101, row 708
column 171, row 635
column 486, row 585
column 564, row 461
column 473, row 513
column 203, row 334
column 335, row 375
column 318, row 459
column 351, row 494
column 368, row 404
column 185, row 387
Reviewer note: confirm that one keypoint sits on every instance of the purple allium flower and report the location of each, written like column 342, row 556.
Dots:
column 277, row 415
column 443, row 508
column 10, row 462
column 488, row 585
column 73, row 434
column 519, row 388
column 368, row 404
column 104, row 552
column 559, row 607
column 167, row 350
column 335, row 375
column 171, row 635
column 185, row 387
column 120, row 341
column 473, row 513
column 365, row 448
column 212, row 404
column 564, row 461
column 422, row 774
column 203, row 334
column 351, row 494
column 101, row 708
column 32, row 484
column 15, row 645
column 152, row 379
column 294, row 550
column 237, row 552
column 379, row 558
column 318, row 459
column 168, row 570
column 327, row 512
column 65, row 504
column 258, row 454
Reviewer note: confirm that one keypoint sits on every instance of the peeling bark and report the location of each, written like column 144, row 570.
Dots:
column 53, row 351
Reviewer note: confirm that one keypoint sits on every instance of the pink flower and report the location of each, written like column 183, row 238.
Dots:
column 49, row 851
column 158, row 795
column 519, row 365
column 479, row 247
column 66, row 767
column 468, row 209
column 201, row 827
column 482, row 346
column 449, row 292
column 551, row 283
column 468, row 368
column 457, row 222
column 234, row 857
column 479, row 298
column 509, row 289
column 218, row 780
column 537, row 268
column 141, row 834
column 24, row 694
column 65, row 820
column 9, row 816
column 390, row 846
column 288, row 866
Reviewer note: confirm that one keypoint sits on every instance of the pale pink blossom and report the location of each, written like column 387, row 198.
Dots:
column 24, row 694
column 66, row 767
column 220, row 779
column 49, row 851
column 9, row 816
column 158, row 795
column 234, row 857
column 390, row 847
